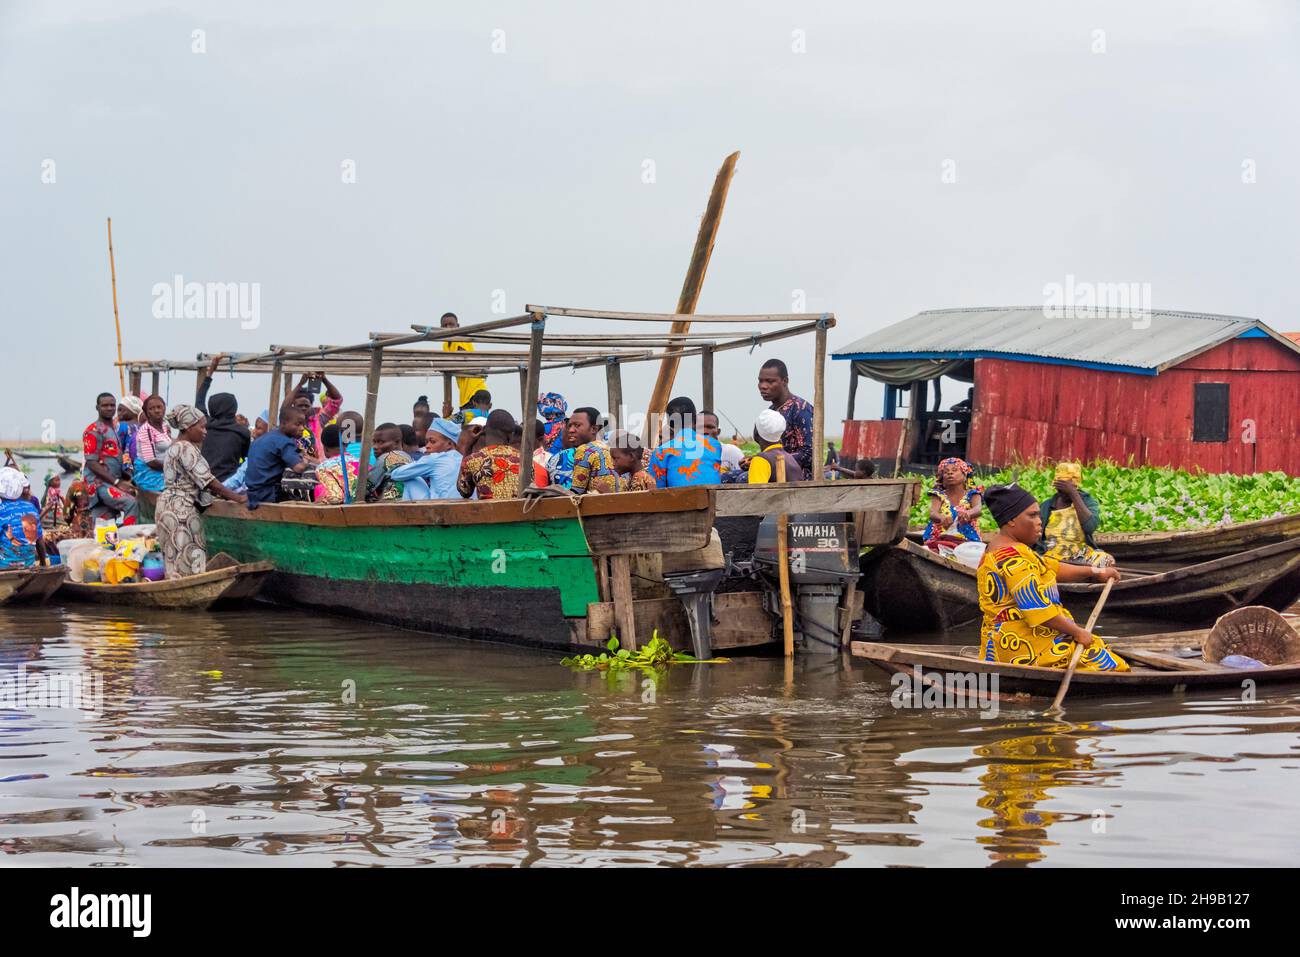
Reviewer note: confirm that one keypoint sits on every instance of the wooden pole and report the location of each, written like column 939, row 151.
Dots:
column 273, row 410
column 533, row 382
column 907, row 428
column 524, row 417
column 690, row 294
column 368, row 428
column 819, row 402
column 614, row 392
column 706, row 377
column 135, row 383
column 1079, row 649
column 288, row 386
column 783, row 568
column 153, row 384
column 620, row 567
column 853, row 390
column 447, row 410
column 117, row 323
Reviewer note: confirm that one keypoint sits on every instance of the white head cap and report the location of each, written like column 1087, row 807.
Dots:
column 770, row 425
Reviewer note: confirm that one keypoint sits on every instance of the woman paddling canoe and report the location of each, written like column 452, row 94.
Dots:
column 1024, row 621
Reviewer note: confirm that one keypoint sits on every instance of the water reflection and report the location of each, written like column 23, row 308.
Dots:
column 276, row 737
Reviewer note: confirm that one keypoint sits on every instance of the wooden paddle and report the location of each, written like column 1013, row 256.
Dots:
column 1078, row 649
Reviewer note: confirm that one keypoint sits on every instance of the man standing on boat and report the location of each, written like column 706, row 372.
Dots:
column 774, row 387
column 102, row 472
column 467, row 385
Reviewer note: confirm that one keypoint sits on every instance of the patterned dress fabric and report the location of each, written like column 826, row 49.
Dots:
column 491, row 472
column 593, row 469
column 1017, row 594
column 180, row 526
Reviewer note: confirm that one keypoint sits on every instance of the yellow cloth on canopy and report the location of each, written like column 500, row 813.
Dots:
column 1018, row 594
column 467, row 385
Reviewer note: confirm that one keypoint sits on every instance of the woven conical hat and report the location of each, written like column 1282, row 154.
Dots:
column 1256, row 632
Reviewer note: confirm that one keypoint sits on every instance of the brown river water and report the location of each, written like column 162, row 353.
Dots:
column 277, row 737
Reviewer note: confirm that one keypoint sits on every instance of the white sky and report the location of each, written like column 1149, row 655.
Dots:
column 522, row 171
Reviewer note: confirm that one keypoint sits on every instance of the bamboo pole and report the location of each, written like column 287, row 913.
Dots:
column 117, row 323
column 690, row 294
column 534, row 382
column 819, row 401
column 783, row 568
column 706, row 379
column 368, row 427
column 614, row 392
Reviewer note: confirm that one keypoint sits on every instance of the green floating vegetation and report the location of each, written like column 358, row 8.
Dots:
column 654, row 656
column 1146, row 498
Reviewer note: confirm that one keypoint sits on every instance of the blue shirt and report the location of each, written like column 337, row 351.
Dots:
column 559, row 468
column 20, row 529
column 433, row 476
column 268, row 457
column 689, row 459
column 353, row 451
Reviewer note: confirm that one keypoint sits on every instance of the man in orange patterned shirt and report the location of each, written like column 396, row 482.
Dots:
column 492, row 471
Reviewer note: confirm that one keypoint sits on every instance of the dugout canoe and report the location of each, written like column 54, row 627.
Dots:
column 530, row 571
column 908, row 587
column 224, row 583
column 30, row 586
column 1155, row 668
column 1185, row 545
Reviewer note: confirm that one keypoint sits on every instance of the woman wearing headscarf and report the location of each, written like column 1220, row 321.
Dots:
column 190, row 486
column 1069, row 519
column 152, row 440
column 955, row 506
column 20, row 523
column 1024, row 620
column 554, row 411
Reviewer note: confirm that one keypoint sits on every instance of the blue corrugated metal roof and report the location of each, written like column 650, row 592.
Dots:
column 1145, row 344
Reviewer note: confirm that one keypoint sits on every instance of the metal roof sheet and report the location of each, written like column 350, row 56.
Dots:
column 1150, row 344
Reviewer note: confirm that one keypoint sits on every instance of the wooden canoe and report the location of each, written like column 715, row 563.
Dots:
column 223, row 584
column 30, row 585
column 1154, row 668
column 1186, row 545
column 910, row 588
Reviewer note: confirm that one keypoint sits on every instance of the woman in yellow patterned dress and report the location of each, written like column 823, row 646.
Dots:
column 1069, row 518
column 1024, row 620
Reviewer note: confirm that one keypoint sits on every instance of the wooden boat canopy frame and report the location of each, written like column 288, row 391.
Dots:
column 389, row 354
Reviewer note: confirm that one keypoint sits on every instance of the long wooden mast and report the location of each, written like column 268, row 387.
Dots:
column 690, row 294
column 117, row 323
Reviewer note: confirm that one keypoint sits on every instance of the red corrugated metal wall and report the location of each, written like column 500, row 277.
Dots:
column 1027, row 410
column 871, row 438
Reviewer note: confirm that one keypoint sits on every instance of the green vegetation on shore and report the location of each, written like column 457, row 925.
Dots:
column 1153, row 499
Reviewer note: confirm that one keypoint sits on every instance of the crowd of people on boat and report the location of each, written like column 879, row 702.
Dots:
column 309, row 450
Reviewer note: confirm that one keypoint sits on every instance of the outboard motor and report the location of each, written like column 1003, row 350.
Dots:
column 823, row 552
column 693, row 577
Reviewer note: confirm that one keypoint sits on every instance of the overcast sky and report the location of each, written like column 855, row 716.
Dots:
column 1109, row 141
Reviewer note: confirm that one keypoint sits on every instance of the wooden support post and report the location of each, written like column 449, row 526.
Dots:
column 447, row 409
column 153, row 383
column 819, row 401
column 706, row 374
column 533, row 383
column 614, row 392
column 853, row 390
column 620, row 567
column 368, row 428
column 135, row 382
column 288, row 387
column 783, row 569
column 273, row 410
column 524, row 417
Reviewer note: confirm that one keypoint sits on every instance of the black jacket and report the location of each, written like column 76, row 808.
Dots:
column 227, row 441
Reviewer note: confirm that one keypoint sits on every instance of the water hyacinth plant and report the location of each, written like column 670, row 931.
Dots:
column 1146, row 498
